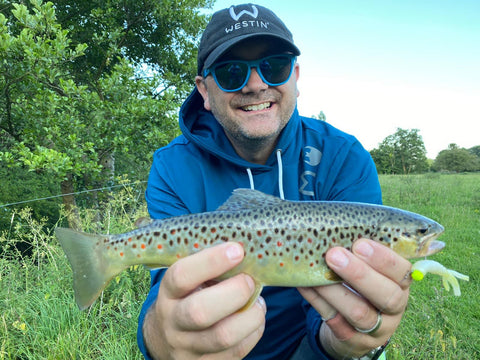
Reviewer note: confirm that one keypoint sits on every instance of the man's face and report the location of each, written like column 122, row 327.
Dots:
column 257, row 112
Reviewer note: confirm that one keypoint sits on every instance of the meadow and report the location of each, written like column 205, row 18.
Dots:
column 40, row 320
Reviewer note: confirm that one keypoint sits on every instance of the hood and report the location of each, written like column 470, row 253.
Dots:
column 200, row 127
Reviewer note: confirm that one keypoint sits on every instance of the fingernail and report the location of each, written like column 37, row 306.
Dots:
column 338, row 259
column 234, row 252
column 250, row 282
column 364, row 249
column 261, row 302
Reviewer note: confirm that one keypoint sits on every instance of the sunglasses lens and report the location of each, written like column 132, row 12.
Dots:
column 276, row 69
column 231, row 75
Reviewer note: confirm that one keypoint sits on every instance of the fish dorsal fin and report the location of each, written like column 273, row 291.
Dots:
column 244, row 199
column 143, row 221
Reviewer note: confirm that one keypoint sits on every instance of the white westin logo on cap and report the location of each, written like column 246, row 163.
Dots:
column 235, row 17
column 245, row 23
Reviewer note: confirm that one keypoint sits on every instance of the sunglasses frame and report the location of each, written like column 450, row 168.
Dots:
column 250, row 65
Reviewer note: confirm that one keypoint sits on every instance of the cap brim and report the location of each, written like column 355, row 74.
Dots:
column 222, row 48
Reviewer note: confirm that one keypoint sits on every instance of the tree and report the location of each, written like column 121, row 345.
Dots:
column 321, row 116
column 71, row 107
column 456, row 159
column 475, row 150
column 401, row 153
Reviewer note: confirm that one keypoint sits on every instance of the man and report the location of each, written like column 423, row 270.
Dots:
column 241, row 129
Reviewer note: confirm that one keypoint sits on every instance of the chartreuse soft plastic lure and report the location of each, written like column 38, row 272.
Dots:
column 449, row 277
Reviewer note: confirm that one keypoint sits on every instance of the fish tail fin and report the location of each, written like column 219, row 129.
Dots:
column 91, row 270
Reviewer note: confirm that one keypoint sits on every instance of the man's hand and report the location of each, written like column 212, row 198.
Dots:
column 381, row 281
column 194, row 316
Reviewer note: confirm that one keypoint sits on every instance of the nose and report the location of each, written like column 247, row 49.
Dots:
column 254, row 83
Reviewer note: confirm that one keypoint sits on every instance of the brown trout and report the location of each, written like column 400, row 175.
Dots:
column 285, row 242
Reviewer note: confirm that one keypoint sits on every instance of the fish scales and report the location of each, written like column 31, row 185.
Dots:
column 285, row 242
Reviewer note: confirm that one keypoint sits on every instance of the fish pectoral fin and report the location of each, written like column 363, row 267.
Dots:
column 330, row 275
column 254, row 297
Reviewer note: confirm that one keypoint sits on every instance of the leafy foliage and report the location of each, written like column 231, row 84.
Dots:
column 90, row 87
column 455, row 159
column 401, row 153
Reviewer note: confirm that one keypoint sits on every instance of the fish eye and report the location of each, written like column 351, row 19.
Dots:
column 422, row 231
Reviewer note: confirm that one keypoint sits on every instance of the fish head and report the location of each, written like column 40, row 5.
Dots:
column 411, row 235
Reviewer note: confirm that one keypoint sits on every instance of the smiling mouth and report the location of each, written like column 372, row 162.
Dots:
column 257, row 107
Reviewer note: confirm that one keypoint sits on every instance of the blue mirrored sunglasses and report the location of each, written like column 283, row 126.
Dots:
column 233, row 75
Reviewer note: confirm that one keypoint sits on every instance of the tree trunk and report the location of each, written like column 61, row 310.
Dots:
column 71, row 209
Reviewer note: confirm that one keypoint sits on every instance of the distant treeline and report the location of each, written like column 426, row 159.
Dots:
column 404, row 153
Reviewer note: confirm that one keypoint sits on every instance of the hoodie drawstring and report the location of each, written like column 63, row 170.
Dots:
column 250, row 178
column 280, row 175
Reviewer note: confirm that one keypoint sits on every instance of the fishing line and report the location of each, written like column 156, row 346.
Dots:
column 74, row 193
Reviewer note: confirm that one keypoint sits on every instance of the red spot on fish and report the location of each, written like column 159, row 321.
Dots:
column 259, row 233
column 178, row 256
column 121, row 254
column 173, row 231
column 279, row 243
column 196, row 246
column 312, row 264
column 281, row 264
column 310, row 240
column 130, row 239
column 297, row 258
column 260, row 256
column 213, row 230
column 143, row 246
column 159, row 247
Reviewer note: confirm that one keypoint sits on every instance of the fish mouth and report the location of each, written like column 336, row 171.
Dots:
column 430, row 245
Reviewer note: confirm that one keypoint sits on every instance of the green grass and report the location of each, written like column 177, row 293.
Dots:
column 438, row 325
column 38, row 315
column 39, row 318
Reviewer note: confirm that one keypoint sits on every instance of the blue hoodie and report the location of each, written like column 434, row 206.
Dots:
column 199, row 170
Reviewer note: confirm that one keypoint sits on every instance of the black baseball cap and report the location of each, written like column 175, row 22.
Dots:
column 229, row 26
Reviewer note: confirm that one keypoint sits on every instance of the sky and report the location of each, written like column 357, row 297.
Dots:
column 374, row 66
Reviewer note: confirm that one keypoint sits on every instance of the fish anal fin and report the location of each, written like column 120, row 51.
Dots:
column 254, row 297
column 154, row 266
